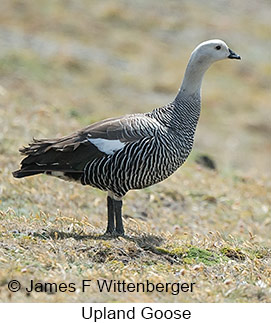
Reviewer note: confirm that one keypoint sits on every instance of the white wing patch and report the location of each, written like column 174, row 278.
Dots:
column 107, row 146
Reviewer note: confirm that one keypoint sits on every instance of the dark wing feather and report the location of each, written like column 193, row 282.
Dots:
column 71, row 153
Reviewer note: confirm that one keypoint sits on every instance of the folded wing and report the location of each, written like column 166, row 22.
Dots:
column 67, row 156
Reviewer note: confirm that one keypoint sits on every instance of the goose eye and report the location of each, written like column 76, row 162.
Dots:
column 218, row 47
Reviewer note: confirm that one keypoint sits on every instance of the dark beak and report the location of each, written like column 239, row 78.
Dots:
column 233, row 55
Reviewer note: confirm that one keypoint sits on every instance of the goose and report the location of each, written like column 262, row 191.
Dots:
column 134, row 151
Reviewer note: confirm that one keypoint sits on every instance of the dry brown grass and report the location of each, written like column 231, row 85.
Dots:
column 66, row 64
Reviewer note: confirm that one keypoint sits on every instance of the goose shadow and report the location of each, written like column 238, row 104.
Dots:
column 145, row 241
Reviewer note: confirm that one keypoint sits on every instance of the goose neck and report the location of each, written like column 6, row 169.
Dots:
column 195, row 70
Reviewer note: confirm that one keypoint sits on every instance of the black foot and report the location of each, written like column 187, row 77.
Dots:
column 113, row 234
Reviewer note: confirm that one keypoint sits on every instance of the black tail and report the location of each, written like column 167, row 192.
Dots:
column 56, row 157
column 24, row 173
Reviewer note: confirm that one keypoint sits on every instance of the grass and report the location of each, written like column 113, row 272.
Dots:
column 65, row 65
column 171, row 237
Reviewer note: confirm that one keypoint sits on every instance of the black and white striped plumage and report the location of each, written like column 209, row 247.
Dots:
column 130, row 152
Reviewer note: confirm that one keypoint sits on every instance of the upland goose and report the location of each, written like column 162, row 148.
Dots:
column 131, row 152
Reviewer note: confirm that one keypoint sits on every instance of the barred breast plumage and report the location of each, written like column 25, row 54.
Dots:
column 131, row 152
column 162, row 148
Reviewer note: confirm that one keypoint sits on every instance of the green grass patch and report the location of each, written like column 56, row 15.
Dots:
column 198, row 255
column 192, row 255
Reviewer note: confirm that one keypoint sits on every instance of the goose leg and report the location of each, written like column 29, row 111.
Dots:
column 110, row 216
column 114, row 216
column 118, row 217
